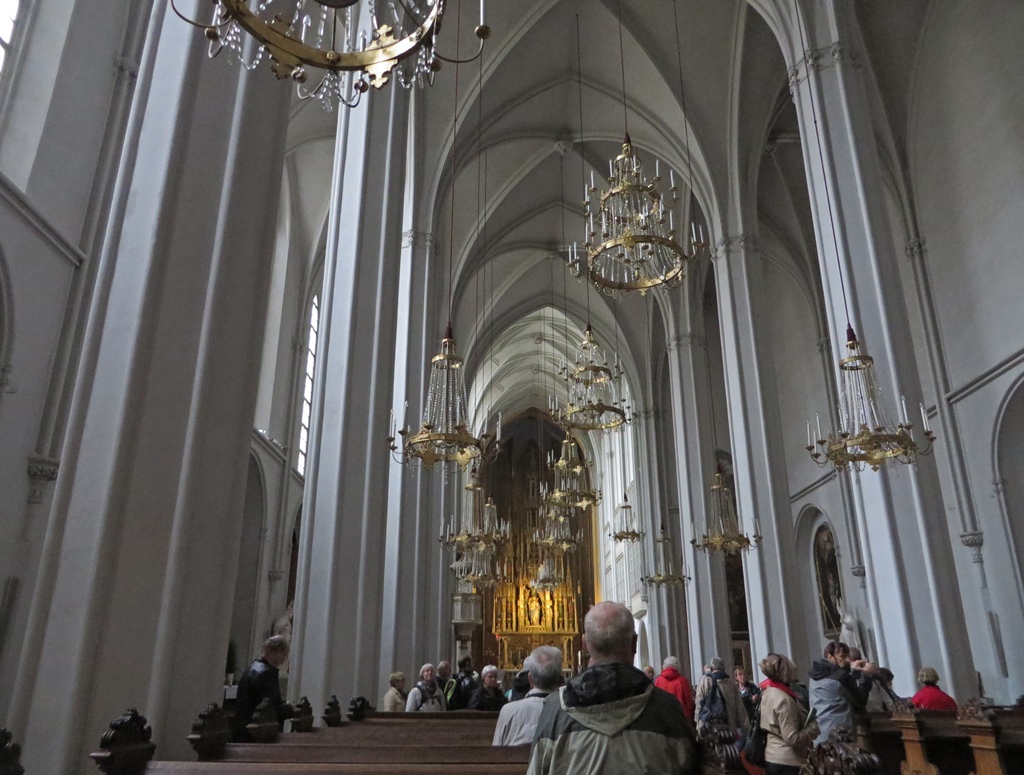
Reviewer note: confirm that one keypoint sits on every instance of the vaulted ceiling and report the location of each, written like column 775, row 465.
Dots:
column 520, row 160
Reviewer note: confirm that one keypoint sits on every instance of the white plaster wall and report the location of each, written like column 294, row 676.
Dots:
column 36, row 268
column 967, row 170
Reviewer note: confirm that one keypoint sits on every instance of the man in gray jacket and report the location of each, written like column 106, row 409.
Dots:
column 610, row 718
column 839, row 688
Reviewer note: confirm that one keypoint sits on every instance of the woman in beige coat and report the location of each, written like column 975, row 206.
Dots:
column 395, row 699
column 789, row 739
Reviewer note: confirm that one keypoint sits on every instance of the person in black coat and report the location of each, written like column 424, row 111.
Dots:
column 487, row 696
column 260, row 682
column 465, row 685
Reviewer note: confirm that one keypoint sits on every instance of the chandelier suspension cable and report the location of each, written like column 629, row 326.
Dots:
column 455, row 132
column 622, row 69
column 583, row 157
column 682, row 103
column 824, row 175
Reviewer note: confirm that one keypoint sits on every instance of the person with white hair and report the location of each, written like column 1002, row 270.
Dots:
column 610, row 718
column 676, row 684
column 426, row 696
column 517, row 721
column 487, row 695
column 718, row 701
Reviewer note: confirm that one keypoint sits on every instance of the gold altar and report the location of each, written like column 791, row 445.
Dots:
column 525, row 618
column 545, row 587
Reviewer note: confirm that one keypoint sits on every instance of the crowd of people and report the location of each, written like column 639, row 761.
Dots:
column 613, row 717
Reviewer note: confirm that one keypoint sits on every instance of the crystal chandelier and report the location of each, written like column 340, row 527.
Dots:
column 557, row 534
column 591, row 402
column 315, row 42
column 549, row 575
column 636, row 248
column 570, row 475
column 665, row 568
column 480, row 526
column 866, row 436
column 625, row 523
column 725, row 535
column 443, row 436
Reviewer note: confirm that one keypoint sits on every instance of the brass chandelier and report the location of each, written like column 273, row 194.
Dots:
column 316, row 42
column 474, row 544
column 866, row 435
column 443, row 436
column 591, row 404
column 725, row 535
column 570, row 478
column 630, row 244
column 666, row 572
column 625, row 525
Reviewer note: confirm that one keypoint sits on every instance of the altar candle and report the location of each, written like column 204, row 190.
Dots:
column 809, row 444
column 817, row 421
column 481, row 13
column 924, row 418
column 903, row 403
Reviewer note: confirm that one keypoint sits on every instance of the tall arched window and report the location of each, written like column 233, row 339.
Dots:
column 307, row 390
column 8, row 16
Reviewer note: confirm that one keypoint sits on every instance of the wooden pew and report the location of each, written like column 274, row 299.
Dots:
column 430, row 745
column 877, row 733
column 933, row 743
column 996, row 735
column 10, row 755
column 249, row 768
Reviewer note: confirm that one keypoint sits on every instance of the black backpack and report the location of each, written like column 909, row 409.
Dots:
column 712, row 708
column 757, row 740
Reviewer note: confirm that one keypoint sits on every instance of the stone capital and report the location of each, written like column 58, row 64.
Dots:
column 126, row 70
column 735, row 243
column 41, row 471
column 5, row 379
column 834, row 54
column 417, row 240
column 974, row 541
column 914, row 249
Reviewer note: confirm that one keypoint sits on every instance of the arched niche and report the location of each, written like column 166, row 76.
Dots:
column 820, row 557
column 1009, row 450
column 247, row 585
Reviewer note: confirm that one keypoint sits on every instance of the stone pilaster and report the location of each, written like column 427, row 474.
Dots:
column 132, row 601
column 900, row 514
column 340, row 586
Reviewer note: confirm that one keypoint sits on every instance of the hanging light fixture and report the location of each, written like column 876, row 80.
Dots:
column 479, row 526
column 316, row 42
column 630, row 242
column 866, row 434
column 592, row 404
column 570, row 472
column 725, row 535
column 625, row 524
column 666, row 572
column 444, row 435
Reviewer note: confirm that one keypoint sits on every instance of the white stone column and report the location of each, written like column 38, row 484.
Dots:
column 762, row 494
column 136, row 579
column 908, row 557
column 338, row 606
column 708, row 631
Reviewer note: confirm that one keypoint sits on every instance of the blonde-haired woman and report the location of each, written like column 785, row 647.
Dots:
column 395, row 698
column 782, row 716
column 931, row 697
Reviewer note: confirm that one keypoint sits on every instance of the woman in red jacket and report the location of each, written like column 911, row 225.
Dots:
column 931, row 697
column 676, row 684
